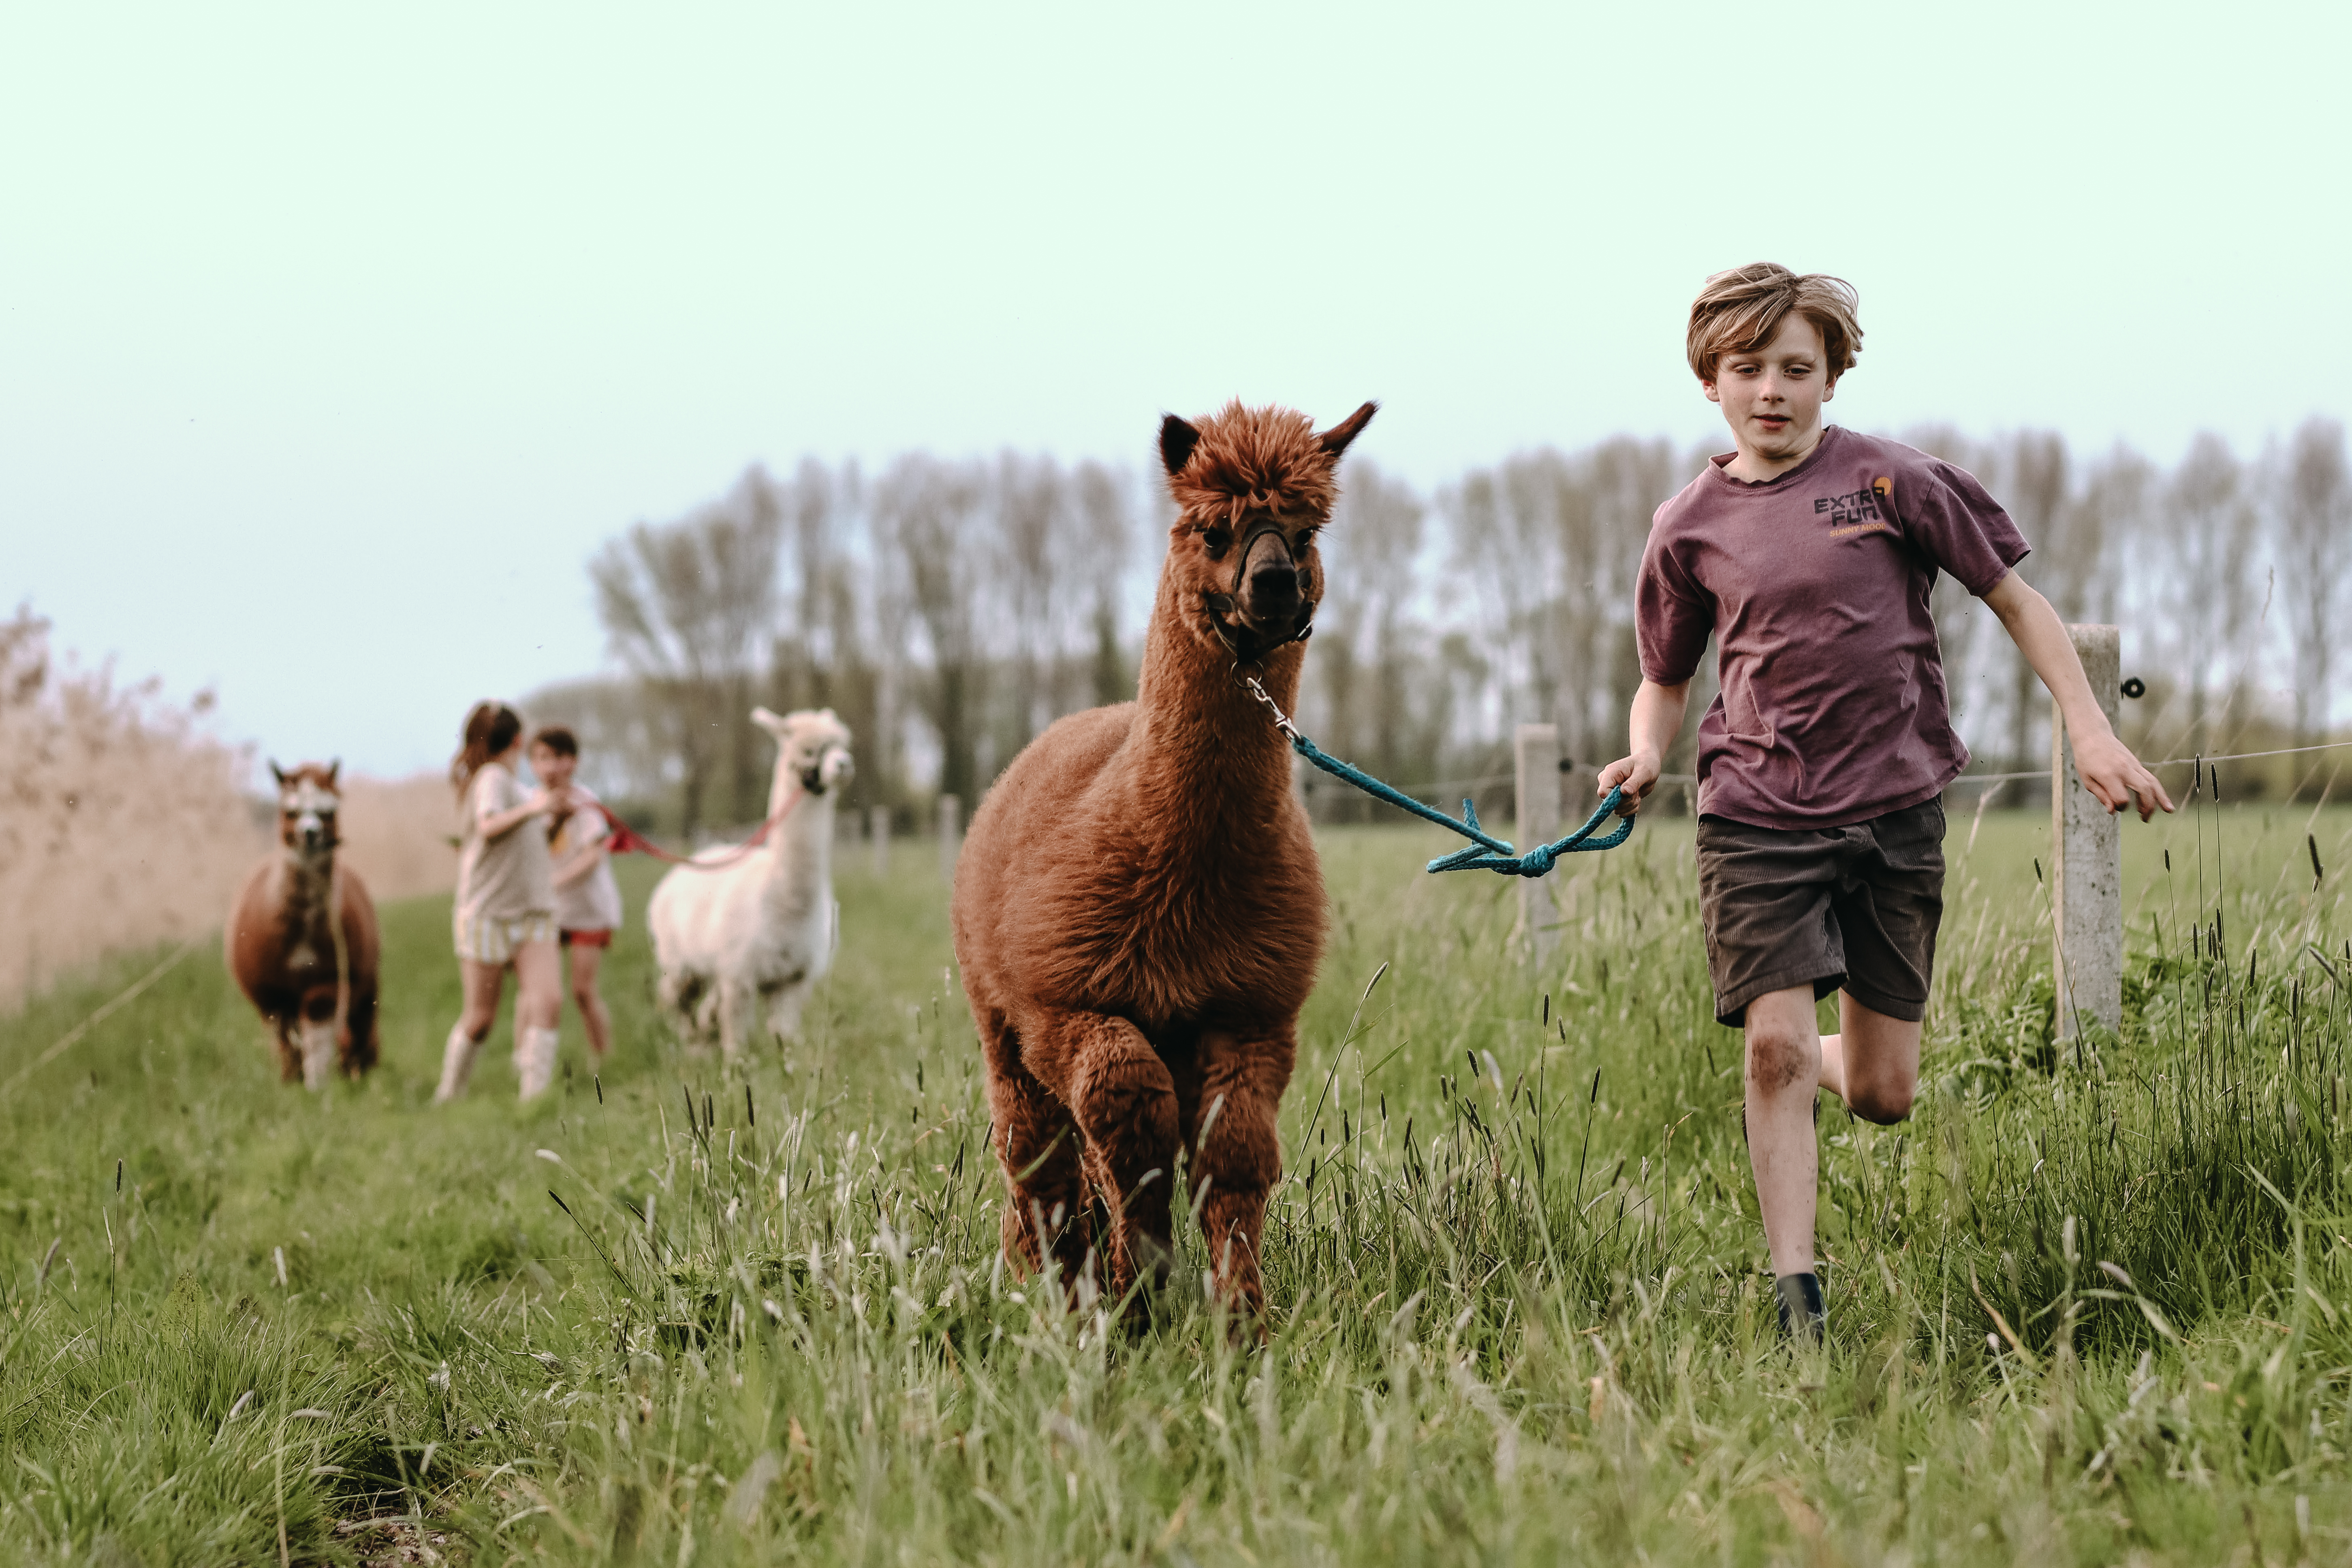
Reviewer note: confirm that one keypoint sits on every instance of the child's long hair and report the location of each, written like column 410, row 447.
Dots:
column 491, row 729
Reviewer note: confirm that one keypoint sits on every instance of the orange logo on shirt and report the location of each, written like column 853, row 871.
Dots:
column 1858, row 511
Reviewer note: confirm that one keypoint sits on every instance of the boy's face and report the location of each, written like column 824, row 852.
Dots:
column 553, row 767
column 1772, row 396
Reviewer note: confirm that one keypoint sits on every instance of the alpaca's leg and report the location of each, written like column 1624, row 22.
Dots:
column 289, row 1053
column 357, row 1047
column 689, row 1000
column 784, row 1011
column 700, row 1025
column 315, row 1029
column 1124, row 1103
column 1239, row 1157
column 739, row 1006
column 1038, row 1146
column 1045, row 1186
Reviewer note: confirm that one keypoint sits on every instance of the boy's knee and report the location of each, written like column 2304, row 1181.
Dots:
column 1780, row 1055
column 1884, row 1103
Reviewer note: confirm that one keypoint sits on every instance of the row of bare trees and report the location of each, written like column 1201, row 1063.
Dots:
column 2229, row 575
column 948, row 609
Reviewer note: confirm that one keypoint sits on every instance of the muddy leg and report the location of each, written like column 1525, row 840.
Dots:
column 1239, row 1157
column 1124, row 1103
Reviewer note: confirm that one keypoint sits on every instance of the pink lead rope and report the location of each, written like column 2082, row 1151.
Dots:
column 627, row 840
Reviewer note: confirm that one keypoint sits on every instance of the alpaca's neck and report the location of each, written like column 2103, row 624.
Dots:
column 309, row 881
column 1205, row 738
column 800, row 848
column 306, row 888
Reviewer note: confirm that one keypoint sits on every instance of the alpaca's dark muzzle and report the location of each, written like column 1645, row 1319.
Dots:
column 1270, row 586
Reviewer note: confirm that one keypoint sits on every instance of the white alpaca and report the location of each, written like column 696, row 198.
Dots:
column 761, row 930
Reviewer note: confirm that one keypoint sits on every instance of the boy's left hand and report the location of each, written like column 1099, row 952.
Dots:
column 2117, row 778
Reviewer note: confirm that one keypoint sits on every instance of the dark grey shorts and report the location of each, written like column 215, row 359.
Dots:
column 1835, row 907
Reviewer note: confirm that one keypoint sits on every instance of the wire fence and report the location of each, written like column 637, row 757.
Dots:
column 1490, row 780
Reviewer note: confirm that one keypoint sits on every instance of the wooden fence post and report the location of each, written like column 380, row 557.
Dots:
column 950, row 835
column 1536, row 769
column 2086, row 843
column 877, row 826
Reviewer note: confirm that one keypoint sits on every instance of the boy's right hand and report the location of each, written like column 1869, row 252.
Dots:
column 1636, row 776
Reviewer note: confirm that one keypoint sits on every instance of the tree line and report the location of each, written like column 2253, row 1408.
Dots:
column 949, row 608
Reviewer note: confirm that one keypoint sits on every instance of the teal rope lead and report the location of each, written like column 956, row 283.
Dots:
column 1484, row 853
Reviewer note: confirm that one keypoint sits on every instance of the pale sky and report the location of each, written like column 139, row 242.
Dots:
column 332, row 342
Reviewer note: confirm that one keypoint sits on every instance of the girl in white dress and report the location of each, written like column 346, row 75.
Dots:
column 505, row 915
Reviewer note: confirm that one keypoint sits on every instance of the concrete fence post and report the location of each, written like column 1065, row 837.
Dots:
column 950, row 835
column 1536, row 770
column 2086, row 843
column 877, row 827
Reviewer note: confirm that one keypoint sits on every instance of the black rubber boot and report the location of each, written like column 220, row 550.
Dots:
column 1802, row 1312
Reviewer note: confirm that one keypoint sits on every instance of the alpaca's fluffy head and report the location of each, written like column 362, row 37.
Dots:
column 812, row 748
column 308, row 799
column 1252, row 488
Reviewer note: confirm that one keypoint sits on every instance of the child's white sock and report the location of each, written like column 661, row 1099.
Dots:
column 535, row 1060
column 457, row 1061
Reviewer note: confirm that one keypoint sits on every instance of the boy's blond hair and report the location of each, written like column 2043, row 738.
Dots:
column 1740, row 310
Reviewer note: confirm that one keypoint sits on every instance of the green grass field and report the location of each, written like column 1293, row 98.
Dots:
column 2092, row 1303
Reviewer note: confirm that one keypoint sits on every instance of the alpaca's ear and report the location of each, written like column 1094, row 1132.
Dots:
column 1334, row 440
column 767, row 721
column 278, row 773
column 332, row 769
column 1176, row 441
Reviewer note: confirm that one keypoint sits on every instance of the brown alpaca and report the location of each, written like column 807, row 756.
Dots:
column 316, row 992
column 1138, row 911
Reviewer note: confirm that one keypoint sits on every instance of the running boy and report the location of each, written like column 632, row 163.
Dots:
column 587, row 900
column 1808, row 553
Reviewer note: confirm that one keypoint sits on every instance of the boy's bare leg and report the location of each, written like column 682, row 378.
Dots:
column 1784, row 1071
column 1873, row 1062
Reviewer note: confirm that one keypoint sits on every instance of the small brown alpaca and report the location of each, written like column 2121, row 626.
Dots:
column 1139, row 910
column 301, row 938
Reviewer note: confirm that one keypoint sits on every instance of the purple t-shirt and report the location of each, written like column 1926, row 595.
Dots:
column 1815, row 586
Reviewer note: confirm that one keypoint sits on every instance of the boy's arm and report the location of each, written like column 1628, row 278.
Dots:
column 1656, row 720
column 2109, row 770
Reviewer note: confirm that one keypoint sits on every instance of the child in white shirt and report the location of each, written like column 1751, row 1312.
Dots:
column 587, row 900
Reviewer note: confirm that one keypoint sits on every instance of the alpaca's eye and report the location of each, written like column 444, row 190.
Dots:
column 1216, row 539
column 1305, row 543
